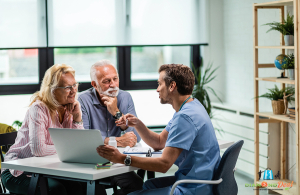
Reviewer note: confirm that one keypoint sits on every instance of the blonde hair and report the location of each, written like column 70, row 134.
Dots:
column 49, row 84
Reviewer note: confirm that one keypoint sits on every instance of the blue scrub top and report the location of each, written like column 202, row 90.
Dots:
column 191, row 129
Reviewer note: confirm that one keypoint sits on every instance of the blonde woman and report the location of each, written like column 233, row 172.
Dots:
column 54, row 106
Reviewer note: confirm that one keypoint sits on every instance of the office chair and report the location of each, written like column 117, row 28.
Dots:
column 223, row 180
column 6, row 140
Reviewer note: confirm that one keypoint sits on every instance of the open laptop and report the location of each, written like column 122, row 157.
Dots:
column 77, row 145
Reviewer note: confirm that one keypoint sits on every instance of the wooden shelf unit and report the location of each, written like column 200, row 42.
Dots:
column 278, row 117
column 270, row 117
column 275, row 47
column 274, row 3
column 277, row 80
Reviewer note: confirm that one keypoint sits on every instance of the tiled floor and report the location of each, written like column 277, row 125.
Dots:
column 241, row 180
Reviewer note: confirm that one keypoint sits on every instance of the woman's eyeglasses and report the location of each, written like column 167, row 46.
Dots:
column 69, row 88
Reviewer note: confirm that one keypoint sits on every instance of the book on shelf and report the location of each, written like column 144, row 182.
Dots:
column 291, row 109
column 292, row 113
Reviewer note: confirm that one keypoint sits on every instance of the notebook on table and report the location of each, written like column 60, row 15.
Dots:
column 77, row 145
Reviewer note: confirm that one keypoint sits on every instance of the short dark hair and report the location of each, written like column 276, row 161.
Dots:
column 182, row 75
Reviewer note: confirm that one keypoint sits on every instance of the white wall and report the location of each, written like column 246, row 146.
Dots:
column 230, row 33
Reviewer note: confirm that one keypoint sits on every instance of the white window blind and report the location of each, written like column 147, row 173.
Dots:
column 22, row 23
column 83, row 23
column 128, row 22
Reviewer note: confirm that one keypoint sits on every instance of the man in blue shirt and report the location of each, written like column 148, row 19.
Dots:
column 101, row 106
column 189, row 140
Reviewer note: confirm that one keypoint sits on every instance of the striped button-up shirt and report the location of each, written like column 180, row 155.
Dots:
column 33, row 137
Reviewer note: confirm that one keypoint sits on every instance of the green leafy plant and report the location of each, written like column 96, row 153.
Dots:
column 290, row 64
column 276, row 94
column 203, row 77
column 286, row 27
column 17, row 123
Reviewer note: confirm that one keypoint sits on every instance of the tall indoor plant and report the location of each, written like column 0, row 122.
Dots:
column 203, row 77
column 286, row 28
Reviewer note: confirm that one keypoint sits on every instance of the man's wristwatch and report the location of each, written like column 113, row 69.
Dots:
column 127, row 160
column 117, row 115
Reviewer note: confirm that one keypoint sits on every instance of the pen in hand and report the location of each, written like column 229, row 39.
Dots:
column 105, row 163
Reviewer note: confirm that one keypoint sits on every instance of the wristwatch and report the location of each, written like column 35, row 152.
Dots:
column 78, row 123
column 127, row 160
column 117, row 115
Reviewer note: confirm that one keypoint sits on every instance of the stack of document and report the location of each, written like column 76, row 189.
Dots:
column 139, row 150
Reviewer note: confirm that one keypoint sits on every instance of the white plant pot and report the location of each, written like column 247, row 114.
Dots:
column 289, row 40
column 291, row 74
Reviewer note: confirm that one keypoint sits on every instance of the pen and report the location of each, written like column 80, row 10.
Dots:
column 126, row 122
column 105, row 163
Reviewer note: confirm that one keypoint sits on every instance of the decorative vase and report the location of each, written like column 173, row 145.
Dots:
column 278, row 106
column 291, row 74
column 289, row 40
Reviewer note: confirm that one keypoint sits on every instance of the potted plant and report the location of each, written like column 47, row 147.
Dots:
column 277, row 95
column 290, row 65
column 203, row 77
column 286, row 28
column 17, row 124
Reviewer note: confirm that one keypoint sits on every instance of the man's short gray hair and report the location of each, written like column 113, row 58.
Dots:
column 99, row 64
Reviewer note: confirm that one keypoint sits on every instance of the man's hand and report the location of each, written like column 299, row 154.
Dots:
column 111, row 153
column 128, row 139
column 128, row 120
column 110, row 103
column 75, row 110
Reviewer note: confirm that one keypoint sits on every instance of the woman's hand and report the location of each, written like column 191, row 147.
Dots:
column 111, row 153
column 129, row 120
column 75, row 110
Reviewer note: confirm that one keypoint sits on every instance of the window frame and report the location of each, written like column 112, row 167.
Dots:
column 46, row 60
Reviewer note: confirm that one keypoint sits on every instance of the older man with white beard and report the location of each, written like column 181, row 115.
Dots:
column 105, row 103
column 101, row 106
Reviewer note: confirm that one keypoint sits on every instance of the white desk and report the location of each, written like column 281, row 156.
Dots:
column 51, row 166
column 224, row 144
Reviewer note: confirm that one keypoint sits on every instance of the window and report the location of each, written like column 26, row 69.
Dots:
column 145, row 61
column 137, row 36
column 161, row 22
column 84, row 23
column 19, row 66
column 81, row 59
column 130, row 22
column 22, row 24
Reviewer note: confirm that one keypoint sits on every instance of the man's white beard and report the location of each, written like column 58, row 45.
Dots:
column 113, row 94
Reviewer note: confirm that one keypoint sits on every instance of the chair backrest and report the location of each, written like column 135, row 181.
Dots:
column 6, row 140
column 225, row 171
